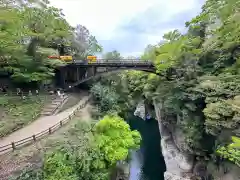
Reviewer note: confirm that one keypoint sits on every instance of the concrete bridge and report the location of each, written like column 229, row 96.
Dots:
column 81, row 71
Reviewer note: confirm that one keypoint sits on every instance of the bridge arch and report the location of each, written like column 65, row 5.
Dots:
column 72, row 75
column 110, row 71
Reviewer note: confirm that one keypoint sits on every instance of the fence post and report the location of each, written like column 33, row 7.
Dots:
column 34, row 138
column 70, row 117
column 49, row 130
column 61, row 123
column 13, row 145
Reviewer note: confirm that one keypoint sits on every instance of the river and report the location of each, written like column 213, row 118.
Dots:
column 147, row 163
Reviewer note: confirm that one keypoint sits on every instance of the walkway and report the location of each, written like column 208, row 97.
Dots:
column 39, row 125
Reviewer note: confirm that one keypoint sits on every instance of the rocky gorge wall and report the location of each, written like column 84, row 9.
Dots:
column 179, row 165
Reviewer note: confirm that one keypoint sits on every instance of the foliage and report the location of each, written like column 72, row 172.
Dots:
column 83, row 43
column 87, row 151
column 98, row 150
column 28, row 27
column 231, row 151
column 114, row 138
column 29, row 174
column 200, row 76
column 59, row 166
column 199, row 82
column 107, row 97
column 114, row 55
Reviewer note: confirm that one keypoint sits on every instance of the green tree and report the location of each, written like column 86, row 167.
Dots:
column 83, row 43
column 114, row 138
column 114, row 55
column 198, row 86
column 87, row 152
column 231, row 151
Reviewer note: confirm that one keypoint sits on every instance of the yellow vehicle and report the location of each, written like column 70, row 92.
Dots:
column 62, row 58
column 92, row 59
column 66, row 58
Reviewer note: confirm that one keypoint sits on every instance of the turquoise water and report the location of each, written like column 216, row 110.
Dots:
column 147, row 163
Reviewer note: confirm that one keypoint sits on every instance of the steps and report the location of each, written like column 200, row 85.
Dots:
column 53, row 107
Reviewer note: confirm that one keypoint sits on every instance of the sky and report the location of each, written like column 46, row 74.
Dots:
column 129, row 25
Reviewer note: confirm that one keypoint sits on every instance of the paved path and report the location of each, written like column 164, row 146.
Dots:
column 39, row 125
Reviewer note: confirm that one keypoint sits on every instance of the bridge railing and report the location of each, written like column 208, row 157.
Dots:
column 121, row 61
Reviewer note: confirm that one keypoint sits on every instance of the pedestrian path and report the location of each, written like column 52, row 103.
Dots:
column 39, row 125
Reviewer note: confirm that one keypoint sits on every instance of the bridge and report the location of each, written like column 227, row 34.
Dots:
column 79, row 71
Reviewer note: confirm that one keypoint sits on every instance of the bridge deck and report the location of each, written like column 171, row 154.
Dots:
column 112, row 63
column 79, row 71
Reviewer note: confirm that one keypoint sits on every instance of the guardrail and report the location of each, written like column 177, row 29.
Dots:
column 48, row 131
column 116, row 62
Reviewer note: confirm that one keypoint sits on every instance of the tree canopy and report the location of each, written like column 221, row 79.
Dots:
column 89, row 152
column 199, row 82
column 32, row 30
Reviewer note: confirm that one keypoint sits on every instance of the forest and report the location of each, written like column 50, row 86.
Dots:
column 30, row 31
column 198, row 86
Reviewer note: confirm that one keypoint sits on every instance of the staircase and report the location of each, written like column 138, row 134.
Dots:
column 54, row 106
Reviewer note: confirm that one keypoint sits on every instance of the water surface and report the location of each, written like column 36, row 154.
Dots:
column 147, row 163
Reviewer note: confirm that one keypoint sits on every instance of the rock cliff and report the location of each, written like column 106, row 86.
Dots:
column 179, row 164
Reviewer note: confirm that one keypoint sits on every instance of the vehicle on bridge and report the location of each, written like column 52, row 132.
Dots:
column 69, row 59
column 91, row 59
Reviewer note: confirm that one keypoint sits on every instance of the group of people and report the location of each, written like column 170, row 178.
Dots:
column 20, row 92
column 3, row 89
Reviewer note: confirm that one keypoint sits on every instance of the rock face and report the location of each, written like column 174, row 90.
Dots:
column 178, row 164
column 140, row 110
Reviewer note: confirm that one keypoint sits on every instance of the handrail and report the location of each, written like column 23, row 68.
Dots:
column 62, row 102
column 112, row 61
column 121, row 62
column 39, row 135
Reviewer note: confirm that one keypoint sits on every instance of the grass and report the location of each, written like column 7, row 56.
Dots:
column 16, row 112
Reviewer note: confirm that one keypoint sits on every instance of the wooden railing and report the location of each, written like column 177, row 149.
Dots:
column 38, row 136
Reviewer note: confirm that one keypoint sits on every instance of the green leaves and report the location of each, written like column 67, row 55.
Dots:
column 107, row 96
column 114, row 137
column 236, row 142
column 59, row 166
column 87, row 152
column 28, row 30
column 114, row 55
column 231, row 151
column 199, row 70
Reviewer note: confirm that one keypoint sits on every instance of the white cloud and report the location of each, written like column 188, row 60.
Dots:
column 100, row 17
column 104, row 17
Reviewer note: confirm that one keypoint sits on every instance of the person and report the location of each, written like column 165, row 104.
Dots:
column 148, row 117
column 4, row 89
column 18, row 91
column 58, row 92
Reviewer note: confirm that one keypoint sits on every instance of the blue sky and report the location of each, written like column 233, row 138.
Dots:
column 129, row 25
